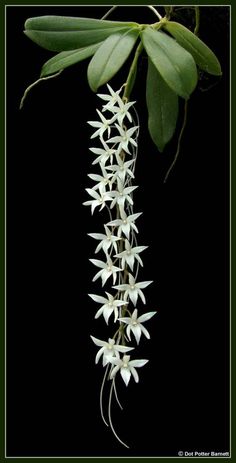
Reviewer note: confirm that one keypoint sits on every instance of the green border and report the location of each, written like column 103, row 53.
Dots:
column 2, row 218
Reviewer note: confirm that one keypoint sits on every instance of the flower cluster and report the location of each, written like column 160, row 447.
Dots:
column 120, row 259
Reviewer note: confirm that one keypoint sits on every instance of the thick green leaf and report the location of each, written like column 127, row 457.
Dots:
column 67, row 58
column 203, row 55
column 109, row 58
column 65, row 23
column 176, row 65
column 162, row 105
column 70, row 40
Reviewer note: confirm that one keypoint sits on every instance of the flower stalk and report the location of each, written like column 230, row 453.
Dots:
column 117, row 133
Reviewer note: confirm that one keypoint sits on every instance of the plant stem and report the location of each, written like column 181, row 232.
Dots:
column 154, row 11
column 132, row 73
column 197, row 20
column 109, row 12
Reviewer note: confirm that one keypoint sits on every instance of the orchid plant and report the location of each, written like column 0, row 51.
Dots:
column 174, row 56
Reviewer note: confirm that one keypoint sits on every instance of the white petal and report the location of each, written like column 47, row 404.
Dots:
column 98, row 263
column 99, row 299
column 125, row 373
column 134, row 373
column 138, row 363
column 125, row 320
column 99, row 354
column 114, row 371
column 107, row 313
column 99, row 313
column 141, row 295
column 123, row 348
column 136, row 330
column 133, row 294
column 146, row 316
column 143, row 284
column 97, row 236
column 145, row 331
column 97, row 275
column 128, row 331
column 98, row 342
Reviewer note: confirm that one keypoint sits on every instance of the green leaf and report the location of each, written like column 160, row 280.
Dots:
column 70, row 40
column 162, row 105
column 62, row 33
column 67, row 58
column 174, row 63
column 65, row 23
column 203, row 55
column 110, row 57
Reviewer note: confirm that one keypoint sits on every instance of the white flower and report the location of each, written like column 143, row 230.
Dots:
column 102, row 126
column 103, row 154
column 127, row 367
column 122, row 194
column 122, row 169
column 135, row 324
column 99, row 199
column 133, row 289
column 103, row 180
column 106, row 241
column 111, row 99
column 130, row 254
column 110, row 304
column 108, row 269
column 124, row 138
column 122, row 111
column 109, row 350
column 126, row 223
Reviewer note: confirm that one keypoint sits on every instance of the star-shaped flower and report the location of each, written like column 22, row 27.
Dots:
column 98, row 199
column 111, row 99
column 122, row 169
column 107, row 269
column 109, row 350
column 102, row 180
column 122, row 111
column 126, row 223
column 122, row 194
column 126, row 368
column 134, row 324
column 130, row 254
column 124, row 138
column 110, row 305
column 106, row 240
column 133, row 289
column 102, row 126
column 103, row 154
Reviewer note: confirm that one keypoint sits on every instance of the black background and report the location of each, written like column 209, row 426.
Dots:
column 181, row 402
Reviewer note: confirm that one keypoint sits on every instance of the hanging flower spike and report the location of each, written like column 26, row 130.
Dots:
column 126, row 368
column 113, row 193
column 134, row 324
